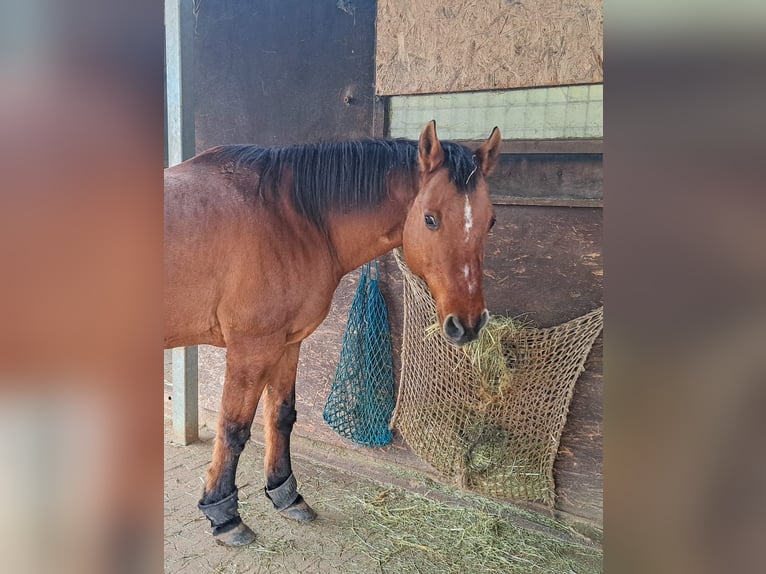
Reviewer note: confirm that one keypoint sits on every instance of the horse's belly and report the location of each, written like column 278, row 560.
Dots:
column 212, row 337
column 190, row 319
column 300, row 334
column 312, row 310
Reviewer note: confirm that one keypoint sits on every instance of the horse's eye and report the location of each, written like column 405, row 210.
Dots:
column 431, row 222
column 492, row 223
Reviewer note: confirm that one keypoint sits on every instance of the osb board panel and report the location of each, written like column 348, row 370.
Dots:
column 459, row 45
column 542, row 263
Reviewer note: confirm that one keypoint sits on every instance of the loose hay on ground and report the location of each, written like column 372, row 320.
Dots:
column 408, row 533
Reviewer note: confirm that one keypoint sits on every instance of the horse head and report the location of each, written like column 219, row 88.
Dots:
column 446, row 227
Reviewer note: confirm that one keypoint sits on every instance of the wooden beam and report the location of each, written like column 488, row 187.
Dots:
column 546, row 201
column 573, row 176
column 380, row 115
column 575, row 146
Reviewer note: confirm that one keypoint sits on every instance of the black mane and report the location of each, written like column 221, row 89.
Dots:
column 341, row 176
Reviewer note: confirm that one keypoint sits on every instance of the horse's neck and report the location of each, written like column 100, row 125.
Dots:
column 361, row 237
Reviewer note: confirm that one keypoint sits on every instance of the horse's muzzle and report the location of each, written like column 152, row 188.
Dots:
column 459, row 333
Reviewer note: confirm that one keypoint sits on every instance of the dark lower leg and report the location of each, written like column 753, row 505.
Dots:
column 242, row 389
column 229, row 444
column 277, row 459
column 281, row 487
column 219, row 497
column 280, row 415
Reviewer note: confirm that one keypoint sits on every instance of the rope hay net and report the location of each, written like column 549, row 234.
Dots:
column 361, row 398
column 489, row 414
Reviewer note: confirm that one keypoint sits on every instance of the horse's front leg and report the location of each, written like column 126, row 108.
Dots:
column 279, row 418
column 248, row 368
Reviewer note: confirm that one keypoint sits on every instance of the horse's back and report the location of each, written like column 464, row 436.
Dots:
column 234, row 264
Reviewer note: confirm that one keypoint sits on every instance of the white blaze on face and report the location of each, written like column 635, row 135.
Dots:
column 470, row 282
column 468, row 218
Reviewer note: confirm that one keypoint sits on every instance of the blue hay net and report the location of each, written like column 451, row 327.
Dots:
column 361, row 399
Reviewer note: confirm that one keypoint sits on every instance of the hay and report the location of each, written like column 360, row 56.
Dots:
column 494, row 354
column 408, row 533
column 489, row 415
column 526, row 517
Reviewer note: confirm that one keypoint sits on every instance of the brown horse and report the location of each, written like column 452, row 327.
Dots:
column 256, row 241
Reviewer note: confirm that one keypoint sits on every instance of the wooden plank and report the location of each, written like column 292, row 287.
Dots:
column 380, row 117
column 578, row 470
column 547, row 201
column 541, row 176
column 574, row 146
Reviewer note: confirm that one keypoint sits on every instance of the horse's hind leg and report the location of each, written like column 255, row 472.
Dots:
column 246, row 373
column 279, row 417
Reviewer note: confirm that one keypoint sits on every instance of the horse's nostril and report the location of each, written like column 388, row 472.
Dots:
column 453, row 328
column 483, row 320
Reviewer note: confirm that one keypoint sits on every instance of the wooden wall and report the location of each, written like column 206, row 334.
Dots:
column 456, row 45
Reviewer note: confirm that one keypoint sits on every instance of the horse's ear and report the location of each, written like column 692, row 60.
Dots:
column 488, row 152
column 430, row 153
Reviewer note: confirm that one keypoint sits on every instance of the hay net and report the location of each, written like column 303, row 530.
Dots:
column 361, row 398
column 489, row 414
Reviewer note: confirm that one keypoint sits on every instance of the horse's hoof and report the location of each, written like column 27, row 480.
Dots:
column 299, row 511
column 240, row 535
column 289, row 503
